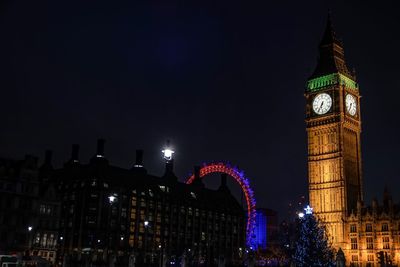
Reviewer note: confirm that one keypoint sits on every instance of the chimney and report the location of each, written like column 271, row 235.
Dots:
column 197, row 179
column 223, row 186
column 169, row 166
column 100, row 148
column 139, row 158
column 75, row 153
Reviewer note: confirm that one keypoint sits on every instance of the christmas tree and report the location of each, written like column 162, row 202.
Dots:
column 312, row 246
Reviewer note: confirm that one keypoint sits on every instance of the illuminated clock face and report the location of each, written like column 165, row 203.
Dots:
column 322, row 103
column 351, row 104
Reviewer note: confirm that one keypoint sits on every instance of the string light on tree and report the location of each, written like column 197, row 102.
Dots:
column 308, row 210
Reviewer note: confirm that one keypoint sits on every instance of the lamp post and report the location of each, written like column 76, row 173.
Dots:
column 112, row 199
column 146, row 226
column 30, row 228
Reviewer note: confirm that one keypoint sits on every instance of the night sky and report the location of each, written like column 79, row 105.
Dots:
column 223, row 81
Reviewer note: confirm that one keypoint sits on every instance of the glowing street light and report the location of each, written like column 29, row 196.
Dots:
column 112, row 198
column 30, row 228
column 168, row 153
column 301, row 215
column 146, row 223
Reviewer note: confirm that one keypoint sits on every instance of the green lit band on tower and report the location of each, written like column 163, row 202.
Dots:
column 331, row 79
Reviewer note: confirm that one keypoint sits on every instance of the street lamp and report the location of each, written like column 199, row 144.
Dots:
column 30, row 228
column 112, row 198
column 168, row 152
column 110, row 233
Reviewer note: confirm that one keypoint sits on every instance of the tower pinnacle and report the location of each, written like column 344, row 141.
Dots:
column 331, row 54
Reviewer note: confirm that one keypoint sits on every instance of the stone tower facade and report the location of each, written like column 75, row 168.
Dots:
column 333, row 122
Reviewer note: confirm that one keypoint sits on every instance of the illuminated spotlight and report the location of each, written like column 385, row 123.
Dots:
column 301, row 215
column 30, row 228
column 146, row 223
column 122, row 238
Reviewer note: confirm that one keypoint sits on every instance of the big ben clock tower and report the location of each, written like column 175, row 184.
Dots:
column 333, row 132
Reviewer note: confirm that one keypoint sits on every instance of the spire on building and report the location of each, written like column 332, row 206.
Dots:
column 331, row 54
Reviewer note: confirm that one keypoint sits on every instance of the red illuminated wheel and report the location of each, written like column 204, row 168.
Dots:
column 244, row 184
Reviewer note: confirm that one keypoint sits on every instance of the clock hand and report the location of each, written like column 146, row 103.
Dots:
column 322, row 103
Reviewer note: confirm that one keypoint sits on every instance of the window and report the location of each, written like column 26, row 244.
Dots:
column 370, row 257
column 353, row 228
column 368, row 227
column 354, row 257
column 386, row 244
column 44, row 240
column 354, row 244
column 370, row 243
column 123, row 212
column 42, row 209
column 385, row 227
column 37, row 238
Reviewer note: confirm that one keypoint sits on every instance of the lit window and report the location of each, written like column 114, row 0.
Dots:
column 385, row 227
column 193, row 195
column 354, row 244
column 368, row 227
column 386, row 244
column 370, row 257
column 42, row 209
column 353, row 228
column 370, row 243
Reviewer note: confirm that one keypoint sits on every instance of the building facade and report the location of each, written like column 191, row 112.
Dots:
column 267, row 229
column 333, row 123
column 114, row 214
column 29, row 209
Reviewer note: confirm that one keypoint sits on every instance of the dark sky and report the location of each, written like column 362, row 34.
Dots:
column 223, row 81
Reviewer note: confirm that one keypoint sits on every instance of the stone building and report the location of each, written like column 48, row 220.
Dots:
column 333, row 122
column 28, row 210
column 113, row 214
